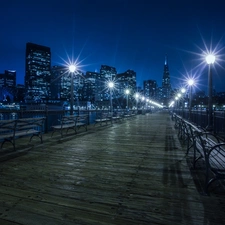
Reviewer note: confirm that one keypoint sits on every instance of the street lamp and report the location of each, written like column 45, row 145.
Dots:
column 111, row 86
column 190, row 84
column 183, row 91
column 127, row 92
column 136, row 97
column 143, row 99
column 210, row 59
column 178, row 101
column 72, row 69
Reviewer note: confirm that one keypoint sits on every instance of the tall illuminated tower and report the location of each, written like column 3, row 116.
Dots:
column 166, row 85
column 38, row 73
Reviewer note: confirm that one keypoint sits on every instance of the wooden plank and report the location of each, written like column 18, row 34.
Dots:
column 133, row 172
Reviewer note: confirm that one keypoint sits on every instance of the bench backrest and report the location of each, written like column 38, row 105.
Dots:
column 7, row 127
column 82, row 119
column 68, row 120
column 30, row 123
column 217, row 158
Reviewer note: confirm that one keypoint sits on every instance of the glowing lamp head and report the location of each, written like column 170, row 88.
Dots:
column 183, row 90
column 111, row 84
column 210, row 59
column 127, row 91
column 136, row 95
column 190, row 82
column 72, row 68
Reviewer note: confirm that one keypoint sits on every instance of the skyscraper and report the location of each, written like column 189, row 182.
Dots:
column 7, row 85
column 60, row 83
column 10, row 78
column 106, row 73
column 150, row 89
column 166, row 85
column 38, row 73
column 126, row 80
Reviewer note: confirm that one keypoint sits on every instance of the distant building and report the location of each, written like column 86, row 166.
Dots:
column 102, row 93
column 10, row 78
column 126, row 80
column 61, row 80
column 90, row 86
column 38, row 73
column 108, row 72
column 166, row 85
column 150, row 89
column 19, row 93
column 60, row 83
column 7, row 86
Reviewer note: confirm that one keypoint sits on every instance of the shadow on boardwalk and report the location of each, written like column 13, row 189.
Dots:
column 134, row 172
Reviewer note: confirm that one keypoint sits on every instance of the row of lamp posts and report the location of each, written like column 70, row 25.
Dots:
column 111, row 86
column 210, row 59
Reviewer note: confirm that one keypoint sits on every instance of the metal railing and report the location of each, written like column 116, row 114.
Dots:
column 52, row 115
column 200, row 118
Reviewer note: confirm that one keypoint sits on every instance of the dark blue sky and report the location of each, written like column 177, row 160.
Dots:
column 126, row 34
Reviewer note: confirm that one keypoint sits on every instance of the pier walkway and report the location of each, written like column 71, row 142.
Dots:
column 129, row 173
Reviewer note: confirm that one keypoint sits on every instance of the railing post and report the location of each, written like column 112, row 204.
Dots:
column 88, row 116
column 46, row 120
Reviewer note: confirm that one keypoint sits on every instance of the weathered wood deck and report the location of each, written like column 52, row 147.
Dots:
column 130, row 173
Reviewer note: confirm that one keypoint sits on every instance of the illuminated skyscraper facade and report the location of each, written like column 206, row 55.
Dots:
column 166, row 85
column 7, row 86
column 126, row 80
column 38, row 73
column 106, row 73
column 89, row 87
column 150, row 89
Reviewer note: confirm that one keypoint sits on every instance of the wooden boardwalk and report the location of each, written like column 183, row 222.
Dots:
column 128, row 173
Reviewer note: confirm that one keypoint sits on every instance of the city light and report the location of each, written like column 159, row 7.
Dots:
column 136, row 96
column 72, row 68
column 127, row 92
column 111, row 86
column 183, row 90
column 191, row 82
column 210, row 59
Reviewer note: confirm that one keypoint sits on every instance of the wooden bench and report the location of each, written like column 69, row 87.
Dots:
column 118, row 116
column 185, row 131
column 206, row 146
column 103, row 117
column 70, row 122
column 128, row 114
column 10, row 130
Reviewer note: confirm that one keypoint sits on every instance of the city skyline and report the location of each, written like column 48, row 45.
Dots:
column 126, row 35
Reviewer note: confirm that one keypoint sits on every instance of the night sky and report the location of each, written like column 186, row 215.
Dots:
column 126, row 34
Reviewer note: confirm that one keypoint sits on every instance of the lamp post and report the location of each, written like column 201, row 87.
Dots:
column 111, row 86
column 143, row 105
column 72, row 69
column 183, row 91
column 190, row 83
column 136, row 97
column 210, row 59
column 127, row 92
column 179, row 96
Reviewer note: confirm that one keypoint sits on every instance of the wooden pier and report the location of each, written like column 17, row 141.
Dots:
column 130, row 173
